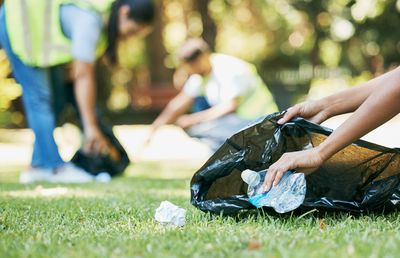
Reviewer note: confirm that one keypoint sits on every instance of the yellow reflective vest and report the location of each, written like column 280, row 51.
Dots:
column 35, row 31
column 258, row 103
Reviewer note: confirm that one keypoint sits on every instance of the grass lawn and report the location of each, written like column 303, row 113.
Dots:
column 116, row 220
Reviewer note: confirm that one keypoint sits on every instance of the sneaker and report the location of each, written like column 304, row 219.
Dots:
column 69, row 173
column 33, row 175
column 103, row 177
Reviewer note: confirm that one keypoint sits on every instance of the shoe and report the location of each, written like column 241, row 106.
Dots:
column 69, row 173
column 103, row 177
column 33, row 175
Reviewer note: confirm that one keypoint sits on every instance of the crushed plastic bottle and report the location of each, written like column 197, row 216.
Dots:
column 288, row 195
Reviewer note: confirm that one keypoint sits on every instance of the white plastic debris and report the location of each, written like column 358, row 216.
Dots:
column 170, row 214
column 103, row 177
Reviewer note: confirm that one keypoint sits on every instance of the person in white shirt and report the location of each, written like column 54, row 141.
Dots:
column 222, row 92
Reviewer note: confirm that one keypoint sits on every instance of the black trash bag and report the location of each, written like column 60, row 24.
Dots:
column 362, row 177
column 114, row 163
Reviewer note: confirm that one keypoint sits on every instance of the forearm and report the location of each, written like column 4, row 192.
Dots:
column 379, row 107
column 85, row 94
column 167, row 116
column 175, row 108
column 346, row 101
column 349, row 100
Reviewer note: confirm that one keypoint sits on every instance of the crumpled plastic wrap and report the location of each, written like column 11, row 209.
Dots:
column 361, row 177
column 170, row 214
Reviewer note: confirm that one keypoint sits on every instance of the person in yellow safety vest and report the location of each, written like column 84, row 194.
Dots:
column 224, row 92
column 38, row 35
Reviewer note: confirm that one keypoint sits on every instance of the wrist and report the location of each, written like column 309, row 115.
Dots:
column 333, row 105
column 90, row 128
column 191, row 118
column 153, row 128
column 324, row 106
column 323, row 152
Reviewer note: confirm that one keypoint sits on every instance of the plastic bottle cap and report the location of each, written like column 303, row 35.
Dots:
column 250, row 177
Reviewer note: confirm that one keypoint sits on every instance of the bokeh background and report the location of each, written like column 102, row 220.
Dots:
column 303, row 49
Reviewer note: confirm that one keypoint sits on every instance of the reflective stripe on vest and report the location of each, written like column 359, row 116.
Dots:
column 25, row 26
column 48, row 45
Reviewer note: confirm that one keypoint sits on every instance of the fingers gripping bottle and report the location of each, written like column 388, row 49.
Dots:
column 288, row 195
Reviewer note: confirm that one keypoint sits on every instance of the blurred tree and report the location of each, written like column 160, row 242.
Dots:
column 295, row 44
column 156, row 50
column 375, row 36
column 209, row 28
column 10, row 91
column 299, row 49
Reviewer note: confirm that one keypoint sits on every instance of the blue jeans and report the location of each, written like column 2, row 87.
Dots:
column 215, row 132
column 37, row 99
column 200, row 103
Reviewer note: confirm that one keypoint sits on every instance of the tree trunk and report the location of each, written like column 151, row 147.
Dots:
column 156, row 51
column 209, row 27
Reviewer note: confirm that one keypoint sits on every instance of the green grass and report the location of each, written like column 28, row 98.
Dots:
column 116, row 220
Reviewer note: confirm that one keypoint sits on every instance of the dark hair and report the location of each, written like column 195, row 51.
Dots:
column 141, row 11
column 192, row 49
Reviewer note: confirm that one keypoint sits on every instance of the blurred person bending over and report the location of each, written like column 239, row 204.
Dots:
column 222, row 92
column 40, row 35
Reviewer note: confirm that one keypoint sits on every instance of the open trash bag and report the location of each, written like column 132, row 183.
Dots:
column 362, row 177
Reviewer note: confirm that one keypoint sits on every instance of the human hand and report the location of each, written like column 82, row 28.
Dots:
column 185, row 121
column 306, row 161
column 310, row 110
column 95, row 141
column 150, row 135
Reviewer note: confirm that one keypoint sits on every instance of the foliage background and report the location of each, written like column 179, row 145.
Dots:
column 302, row 48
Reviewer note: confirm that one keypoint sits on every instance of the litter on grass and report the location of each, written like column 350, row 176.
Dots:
column 170, row 214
